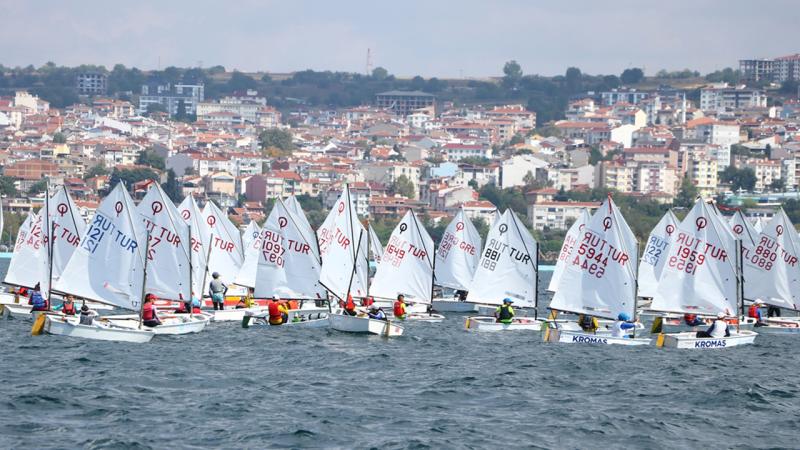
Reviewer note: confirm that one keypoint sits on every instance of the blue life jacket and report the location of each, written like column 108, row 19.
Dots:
column 38, row 301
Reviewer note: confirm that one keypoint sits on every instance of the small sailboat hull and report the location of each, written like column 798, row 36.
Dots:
column 424, row 317
column 59, row 325
column 689, row 340
column 779, row 325
column 173, row 324
column 580, row 337
column 674, row 323
column 479, row 323
column 454, row 306
column 308, row 318
column 233, row 314
column 356, row 324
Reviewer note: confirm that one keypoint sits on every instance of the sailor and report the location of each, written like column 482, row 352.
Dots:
column 87, row 315
column 349, row 306
column 68, row 307
column 692, row 320
column 217, row 289
column 149, row 316
column 754, row 312
column 240, row 304
column 773, row 311
column 620, row 327
column 278, row 313
column 588, row 323
column 400, row 307
column 461, row 295
column 37, row 301
column 718, row 329
column 376, row 313
column 248, row 299
column 505, row 313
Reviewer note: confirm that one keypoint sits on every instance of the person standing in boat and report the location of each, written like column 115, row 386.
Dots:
column 217, row 289
column 718, row 329
column 149, row 315
column 37, row 301
column 400, row 307
column 68, row 307
column 376, row 313
column 505, row 313
column 754, row 312
column 588, row 323
column 620, row 328
column 86, row 315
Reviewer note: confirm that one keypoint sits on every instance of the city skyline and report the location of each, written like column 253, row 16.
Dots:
column 473, row 40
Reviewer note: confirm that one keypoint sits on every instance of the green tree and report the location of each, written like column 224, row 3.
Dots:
column 512, row 74
column 59, row 138
column 7, row 186
column 379, row 73
column 130, row 176
column 180, row 115
column 38, row 187
column 778, row 185
column 95, row 171
column 403, row 186
column 151, row 159
column 241, row 82
column 744, row 179
column 632, row 76
column 275, row 138
column 686, row 195
column 172, row 187
column 473, row 184
column 573, row 78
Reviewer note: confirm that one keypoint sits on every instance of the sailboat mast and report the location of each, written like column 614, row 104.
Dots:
column 355, row 265
column 739, row 283
column 144, row 279
column 49, row 245
column 191, row 288
column 536, row 286
column 535, row 269
column 369, row 249
column 635, row 283
column 205, row 272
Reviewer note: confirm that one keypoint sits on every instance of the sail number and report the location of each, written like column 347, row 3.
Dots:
column 686, row 260
column 655, row 248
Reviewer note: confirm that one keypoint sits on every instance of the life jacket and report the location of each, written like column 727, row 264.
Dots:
column 38, row 302
column 689, row 318
column 181, row 309
column 196, row 310
column 68, row 309
column 753, row 311
column 586, row 322
column 274, row 313
column 350, row 304
column 148, row 312
column 292, row 304
column 399, row 309
column 506, row 313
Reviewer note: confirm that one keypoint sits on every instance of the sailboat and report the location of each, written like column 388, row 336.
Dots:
column 456, row 261
column 703, row 276
column 193, row 217
column 116, row 234
column 570, row 240
column 508, row 268
column 343, row 248
column 599, row 279
column 772, row 271
column 250, row 233
column 168, row 264
column 224, row 245
column 26, row 267
column 407, row 268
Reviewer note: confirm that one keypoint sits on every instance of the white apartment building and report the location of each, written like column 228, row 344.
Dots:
column 457, row 152
column 767, row 171
column 702, row 172
column 557, row 215
column 721, row 97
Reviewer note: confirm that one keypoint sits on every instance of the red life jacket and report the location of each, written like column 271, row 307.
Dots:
column 274, row 312
column 69, row 309
column 399, row 309
column 148, row 312
column 196, row 310
column 350, row 305
column 753, row 311
column 181, row 309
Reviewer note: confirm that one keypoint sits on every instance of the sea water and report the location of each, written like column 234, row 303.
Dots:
column 438, row 386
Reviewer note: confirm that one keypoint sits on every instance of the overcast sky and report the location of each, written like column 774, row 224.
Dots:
column 430, row 38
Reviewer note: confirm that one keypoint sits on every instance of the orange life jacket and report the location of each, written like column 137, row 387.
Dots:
column 350, row 304
column 753, row 311
column 148, row 312
column 399, row 309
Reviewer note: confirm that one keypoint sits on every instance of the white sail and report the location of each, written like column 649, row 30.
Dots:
column 109, row 264
column 66, row 226
column 600, row 277
column 407, row 263
column 293, row 206
column 226, row 255
column 771, row 269
column 198, row 227
column 343, row 249
column 655, row 254
column 247, row 273
column 570, row 239
column 700, row 274
column 507, row 267
column 168, row 256
column 743, row 229
column 375, row 245
column 458, row 254
column 250, row 233
column 28, row 264
column 287, row 265
column 758, row 224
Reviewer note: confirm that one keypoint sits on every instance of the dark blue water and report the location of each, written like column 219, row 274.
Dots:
column 437, row 387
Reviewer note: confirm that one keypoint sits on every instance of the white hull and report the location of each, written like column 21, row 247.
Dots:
column 99, row 330
column 580, row 337
column 233, row 315
column 410, row 307
column 308, row 317
column 780, row 325
column 175, row 324
column 490, row 324
column 452, row 305
column 424, row 317
column 355, row 324
column 672, row 323
column 690, row 340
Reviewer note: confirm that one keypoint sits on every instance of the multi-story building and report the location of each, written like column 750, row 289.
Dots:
column 246, row 107
column 784, row 68
column 631, row 96
column 616, row 175
column 91, row 83
column 404, row 103
column 557, row 215
column 172, row 97
column 656, row 178
column 457, row 152
column 702, row 172
column 767, row 171
column 723, row 97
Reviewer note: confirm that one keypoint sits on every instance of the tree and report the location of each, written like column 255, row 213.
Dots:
column 241, row 82
column 744, row 179
column 631, row 76
column 275, row 138
column 403, row 186
column 95, row 171
column 266, row 78
column 473, row 184
column 59, row 138
column 180, row 115
column 7, row 186
column 38, row 187
column 130, row 176
column 172, row 187
column 512, row 74
column 379, row 73
column 151, row 159
column 573, row 79
column 778, row 185
column 687, row 194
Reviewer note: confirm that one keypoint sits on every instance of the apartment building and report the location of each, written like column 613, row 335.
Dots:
column 557, row 215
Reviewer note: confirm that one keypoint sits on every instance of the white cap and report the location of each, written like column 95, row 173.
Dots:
column 720, row 315
column 275, row 297
column 759, row 301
